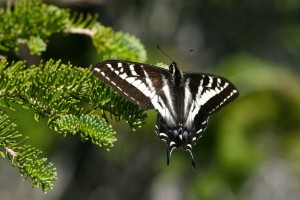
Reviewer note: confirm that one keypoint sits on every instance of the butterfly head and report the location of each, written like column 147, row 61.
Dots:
column 174, row 70
column 180, row 137
column 176, row 74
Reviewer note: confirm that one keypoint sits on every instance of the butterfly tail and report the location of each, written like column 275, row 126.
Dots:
column 168, row 155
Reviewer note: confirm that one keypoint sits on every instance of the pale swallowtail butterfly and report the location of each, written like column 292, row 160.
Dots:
column 184, row 101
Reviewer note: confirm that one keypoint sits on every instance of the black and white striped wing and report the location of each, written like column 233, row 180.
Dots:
column 210, row 93
column 137, row 82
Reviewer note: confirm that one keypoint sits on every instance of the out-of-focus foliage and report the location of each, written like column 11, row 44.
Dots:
column 251, row 148
column 258, row 130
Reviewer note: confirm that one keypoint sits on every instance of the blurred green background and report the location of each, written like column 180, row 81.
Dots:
column 251, row 148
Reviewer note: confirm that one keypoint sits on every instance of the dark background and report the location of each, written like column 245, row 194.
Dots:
column 251, row 149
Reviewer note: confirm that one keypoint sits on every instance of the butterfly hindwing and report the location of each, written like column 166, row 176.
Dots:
column 211, row 92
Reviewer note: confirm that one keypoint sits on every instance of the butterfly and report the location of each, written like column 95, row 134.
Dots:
column 184, row 101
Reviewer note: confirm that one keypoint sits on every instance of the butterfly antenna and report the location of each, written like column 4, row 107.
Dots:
column 186, row 53
column 165, row 53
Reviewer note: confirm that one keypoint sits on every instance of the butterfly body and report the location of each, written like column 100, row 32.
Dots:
column 184, row 101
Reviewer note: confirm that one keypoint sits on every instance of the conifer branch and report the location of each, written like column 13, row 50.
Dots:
column 25, row 157
column 32, row 22
column 57, row 91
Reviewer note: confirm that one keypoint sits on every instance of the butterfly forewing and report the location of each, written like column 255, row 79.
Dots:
column 136, row 82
